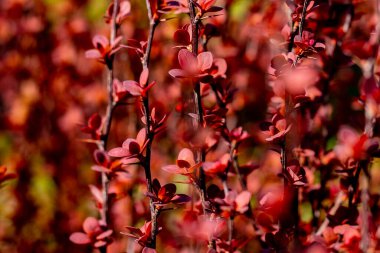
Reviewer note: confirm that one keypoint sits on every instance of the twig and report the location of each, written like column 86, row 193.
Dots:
column 283, row 169
column 150, row 135
column 365, row 214
column 230, row 231
column 110, row 107
column 364, row 182
column 337, row 203
column 156, row 213
column 305, row 4
column 197, row 98
column 108, row 121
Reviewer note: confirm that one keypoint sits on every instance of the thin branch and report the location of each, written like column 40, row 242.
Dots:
column 156, row 213
column 150, row 135
column 325, row 223
column 365, row 213
column 194, row 27
column 108, row 121
column 197, row 97
column 303, row 17
column 230, row 231
column 283, row 169
column 108, row 117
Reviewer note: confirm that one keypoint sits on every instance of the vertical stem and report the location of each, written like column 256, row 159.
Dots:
column 110, row 107
column 305, row 4
column 364, row 196
column 107, row 124
column 197, row 96
column 225, row 186
column 194, row 27
column 285, row 198
column 290, row 192
column 368, row 130
column 150, row 135
column 230, row 221
column 146, row 108
column 156, row 213
column 230, row 231
column 338, row 201
column 145, row 99
column 365, row 213
column 235, row 164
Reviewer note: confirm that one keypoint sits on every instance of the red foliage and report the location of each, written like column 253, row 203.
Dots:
column 268, row 111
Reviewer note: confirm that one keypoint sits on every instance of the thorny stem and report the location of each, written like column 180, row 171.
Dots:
column 199, row 123
column 290, row 192
column 235, row 164
column 364, row 195
column 108, row 120
column 156, row 213
column 197, row 97
column 194, row 27
column 150, row 135
column 292, row 36
column 365, row 181
column 325, row 223
column 368, row 130
column 305, row 4
column 230, row 231
column 202, row 196
column 366, row 212
column 225, row 186
column 283, row 169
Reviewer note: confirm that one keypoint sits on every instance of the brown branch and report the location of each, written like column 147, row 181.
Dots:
column 150, row 135
column 108, row 121
column 338, row 201
column 156, row 213
column 198, row 123
column 290, row 192
column 305, row 4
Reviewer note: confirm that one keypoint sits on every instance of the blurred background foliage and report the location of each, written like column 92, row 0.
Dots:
column 49, row 89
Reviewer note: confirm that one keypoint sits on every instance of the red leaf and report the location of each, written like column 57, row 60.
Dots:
column 214, row 9
column 182, row 37
column 206, row 4
column 95, row 121
column 91, row 225
column 205, row 60
column 100, row 41
column 132, row 146
column 221, row 66
column 167, row 192
column 97, row 194
column 104, row 235
column 242, row 201
column 178, row 73
column 132, row 87
column 93, row 54
column 101, row 158
column 148, row 250
column 156, row 186
column 278, row 62
column 80, row 238
column 141, row 137
column 99, row 244
column 180, row 199
column 187, row 61
column 185, row 158
column 119, row 152
column 144, row 77
column 172, row 169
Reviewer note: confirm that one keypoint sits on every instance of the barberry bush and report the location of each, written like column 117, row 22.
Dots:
column 189, row 126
